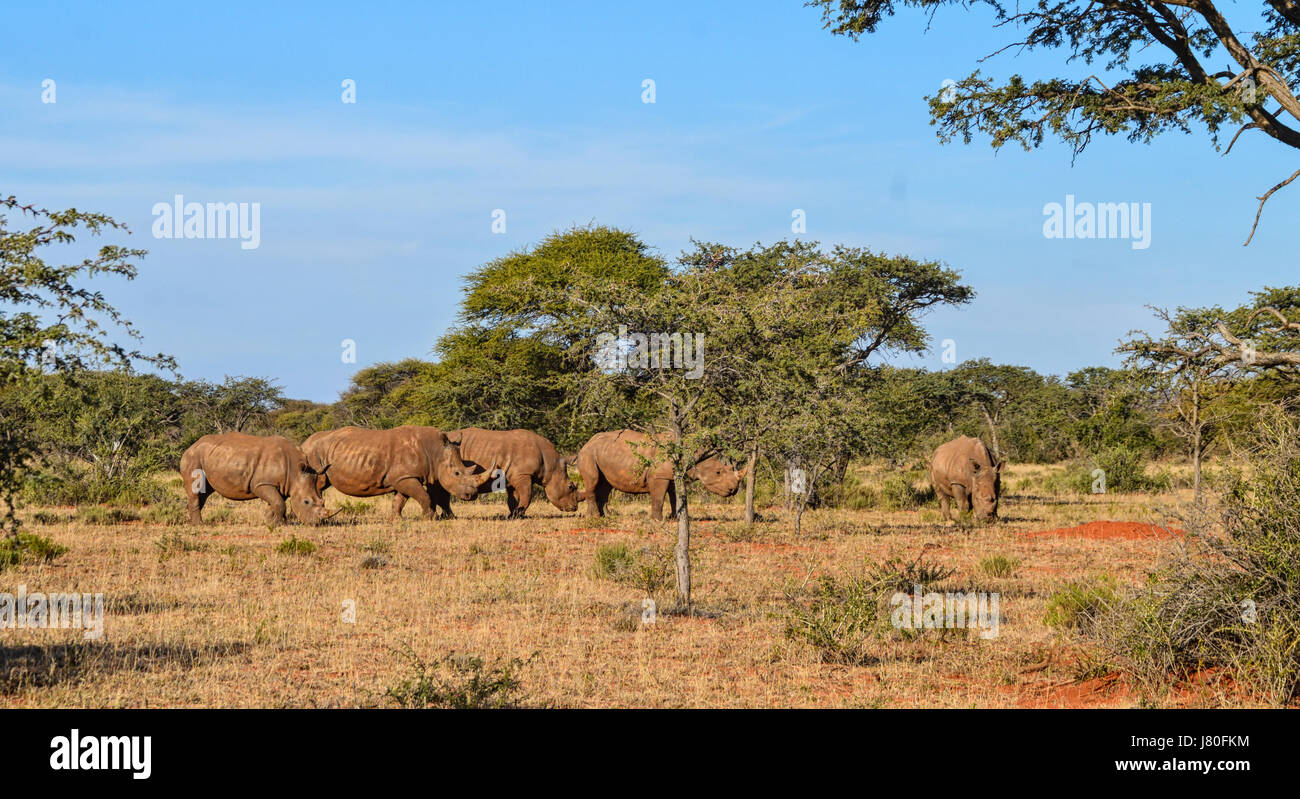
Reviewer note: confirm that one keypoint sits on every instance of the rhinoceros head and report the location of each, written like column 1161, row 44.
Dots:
column 718, row 476
column 304, row 496
column 986, row 485
column 561, row 491
column 460, row 480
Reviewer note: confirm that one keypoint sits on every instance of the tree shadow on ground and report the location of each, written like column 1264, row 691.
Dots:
column 43, row 666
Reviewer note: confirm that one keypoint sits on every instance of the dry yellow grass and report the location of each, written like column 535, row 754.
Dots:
column 216, row 617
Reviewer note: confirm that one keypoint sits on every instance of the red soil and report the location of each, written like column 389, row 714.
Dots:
column 1111, row 531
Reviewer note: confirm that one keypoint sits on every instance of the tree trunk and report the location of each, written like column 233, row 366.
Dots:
column 749, row 485
column 1196, row 466
column 683, row 551
column 1196, row 443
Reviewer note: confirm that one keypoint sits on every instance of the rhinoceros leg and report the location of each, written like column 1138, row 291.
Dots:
column 598, row 497
column 196, row 501
column 441, row 499
column 658, row 488
column 519, row 495
column 414, row 489
column 945, row 505
column 960, row 496
column 274, row 503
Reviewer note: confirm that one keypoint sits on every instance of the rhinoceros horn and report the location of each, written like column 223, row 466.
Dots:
column 488, row 474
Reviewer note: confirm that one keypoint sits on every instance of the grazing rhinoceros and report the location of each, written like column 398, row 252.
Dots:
column 964, row 470
column 525, row 458
column 408, row 460
column 240, row 466
column 615, row 460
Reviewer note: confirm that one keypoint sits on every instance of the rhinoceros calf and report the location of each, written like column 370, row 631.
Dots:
column 241, row 467
column 963, row 470
column 408, row 460
column 525, row 458
column 616, row 460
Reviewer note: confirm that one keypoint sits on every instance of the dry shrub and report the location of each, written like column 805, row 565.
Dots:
column 1230, row 598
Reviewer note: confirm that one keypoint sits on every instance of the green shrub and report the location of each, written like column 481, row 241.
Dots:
column 1078, row 604
column 649, row 570
column 899, row 492
column 1123, row 470
column 841, row 620
column 459, row 682
column 843, row 617
column 72, row 486
column 999, row 566
column 175, row 544
column 899, row 574
column 293, row 545
column 96, row 514
column 1231, row 597
column 28, row 548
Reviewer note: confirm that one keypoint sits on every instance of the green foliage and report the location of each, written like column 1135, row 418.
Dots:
column 899, row 492
column 899, row 574
column 28, row 548
column 1231, row 598
column 460, row 682
column 100, row 515
column 53, row 323
column 175, row 544
column 999, row 566
column 1078, row 604
column 648, row 570
column 293, row 545
column 842, row 619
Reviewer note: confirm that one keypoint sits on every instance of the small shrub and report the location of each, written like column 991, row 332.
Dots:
column 841, row 620
column 1079, row 604
column 47, row 518
column 460, row 682
column 899, row 492
column 28, row 548
column 95, row 514
column 374, row 562
column 649, row 570
column 897, row 574
column 353, row 508
column 175, row 544
column 1231, row 598
column 377, row 546
column 166, row 513
column 999, row 566
column 612, row 561
column 293, row 545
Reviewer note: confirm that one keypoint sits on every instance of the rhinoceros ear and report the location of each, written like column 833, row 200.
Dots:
column 453, row 437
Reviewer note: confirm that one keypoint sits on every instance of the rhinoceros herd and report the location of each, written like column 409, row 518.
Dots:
column 431, row 466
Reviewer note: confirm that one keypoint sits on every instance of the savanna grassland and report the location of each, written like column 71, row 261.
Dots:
column 230, row 615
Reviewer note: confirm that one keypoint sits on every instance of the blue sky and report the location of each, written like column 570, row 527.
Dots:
column 372, row 212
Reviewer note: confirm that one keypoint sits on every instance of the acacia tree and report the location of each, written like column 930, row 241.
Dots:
column 805, row 399
column 992, row 389
column 1157, row 61
column 1186, row 376
column 51, row 323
